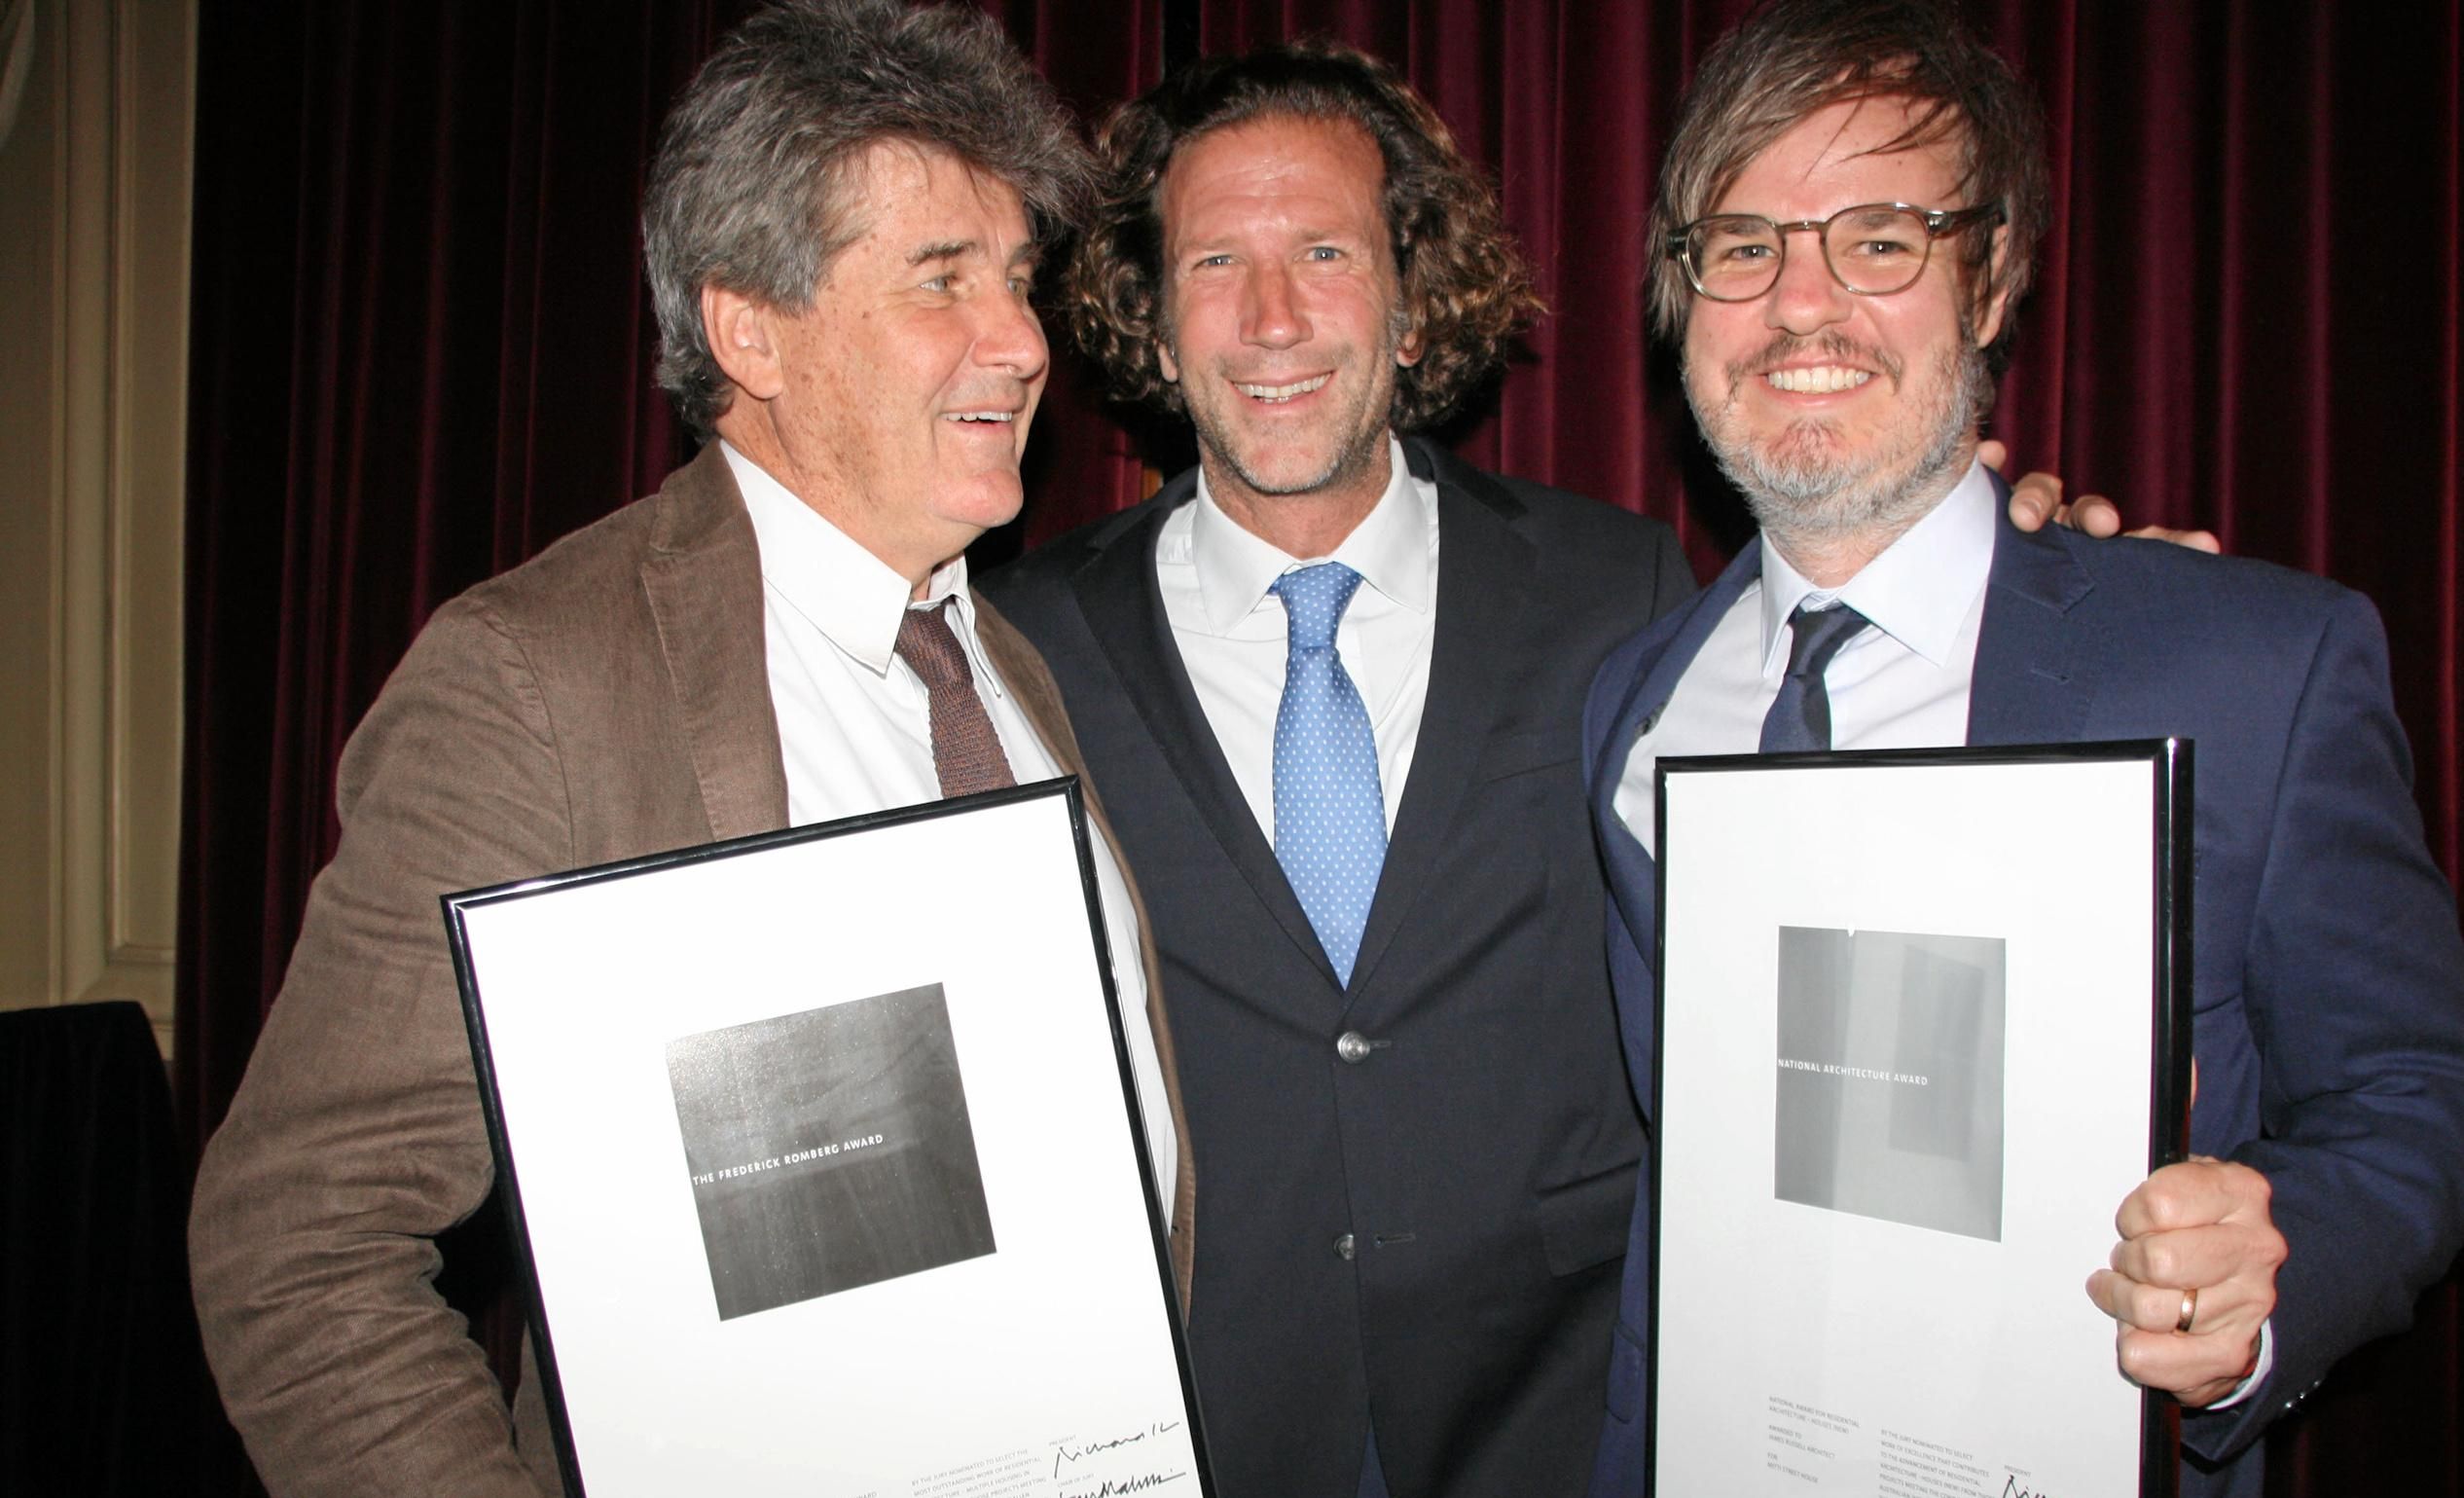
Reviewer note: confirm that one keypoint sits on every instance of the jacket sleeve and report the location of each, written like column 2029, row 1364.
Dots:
column 356, row 1136
column 2353, row 982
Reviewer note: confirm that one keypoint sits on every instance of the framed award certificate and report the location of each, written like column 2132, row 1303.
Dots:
column 828, row 1157
column 1923, row 1024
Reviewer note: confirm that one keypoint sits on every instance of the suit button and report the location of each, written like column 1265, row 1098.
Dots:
column 1343, row 1247
column 1354, row 1046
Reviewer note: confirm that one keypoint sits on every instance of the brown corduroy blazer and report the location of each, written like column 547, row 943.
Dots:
column 605, row 700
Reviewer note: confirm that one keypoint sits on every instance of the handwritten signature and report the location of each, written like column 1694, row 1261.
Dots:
column 2011, row 1489
column 1063, row 1453
column 1113, row 1488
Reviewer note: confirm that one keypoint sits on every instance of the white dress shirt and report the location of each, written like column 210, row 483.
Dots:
column 1902, row 684
column 1234, row 636
column 854, row 725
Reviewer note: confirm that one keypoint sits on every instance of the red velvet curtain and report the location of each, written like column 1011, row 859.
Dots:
column 420, row 350
column 2210, row 338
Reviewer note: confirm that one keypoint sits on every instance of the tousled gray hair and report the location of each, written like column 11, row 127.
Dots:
column 751, row 187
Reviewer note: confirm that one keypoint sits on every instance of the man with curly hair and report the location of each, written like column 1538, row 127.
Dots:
column 1383, row 942
column 1359, row 824
column 841, row 228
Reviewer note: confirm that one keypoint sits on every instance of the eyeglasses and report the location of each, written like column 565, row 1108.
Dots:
column 1873, row 249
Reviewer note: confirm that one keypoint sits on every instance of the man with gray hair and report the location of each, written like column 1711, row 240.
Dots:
column 842, row 226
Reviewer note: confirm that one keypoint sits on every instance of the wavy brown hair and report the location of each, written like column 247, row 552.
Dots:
column 1464, row 284
column 753, row 187
column 1794, row 57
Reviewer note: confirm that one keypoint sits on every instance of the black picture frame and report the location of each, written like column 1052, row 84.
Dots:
column 919, row 1010
column 1779, row 787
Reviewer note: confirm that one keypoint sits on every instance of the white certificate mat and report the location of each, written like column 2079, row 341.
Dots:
column 829, row 1164
column 1923, row 1026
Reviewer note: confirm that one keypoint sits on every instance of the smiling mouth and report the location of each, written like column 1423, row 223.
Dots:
column 997, row 418
column 1277, row 394
column 1821, row 380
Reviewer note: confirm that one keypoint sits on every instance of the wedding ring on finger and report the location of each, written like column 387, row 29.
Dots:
column 2190, row 1310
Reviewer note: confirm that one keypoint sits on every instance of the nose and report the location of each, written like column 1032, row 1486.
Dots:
column 1805, row 297
column 1272, row 318
column 1010, row 338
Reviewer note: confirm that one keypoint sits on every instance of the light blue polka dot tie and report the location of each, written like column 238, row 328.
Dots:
column 1329, row 812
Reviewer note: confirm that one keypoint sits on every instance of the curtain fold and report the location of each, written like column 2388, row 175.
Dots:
column 421, row 350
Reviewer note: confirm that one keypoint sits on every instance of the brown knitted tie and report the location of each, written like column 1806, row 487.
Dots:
column 966, row 754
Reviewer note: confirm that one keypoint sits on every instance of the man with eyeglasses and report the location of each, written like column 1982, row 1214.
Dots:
column 1849, row 213
column 1329, row 681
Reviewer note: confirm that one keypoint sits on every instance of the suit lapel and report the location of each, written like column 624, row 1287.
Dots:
column 704, row 582
column 1124, row 610
column 1039, row 697
column 2034, row 678
column 1668, row 649
column 1487, row 584
column 1029, row 684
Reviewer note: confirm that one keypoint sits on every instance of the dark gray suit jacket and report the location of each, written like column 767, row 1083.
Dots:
column 1429, row 1235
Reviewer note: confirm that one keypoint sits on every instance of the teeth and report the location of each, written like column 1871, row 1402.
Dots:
column 978, row 416
column 1276, row 393
column 1820, row 380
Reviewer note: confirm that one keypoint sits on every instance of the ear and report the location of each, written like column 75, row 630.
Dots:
column 1164, row 362
column 743, row 338
column 1407, row 353
column 1989, row 315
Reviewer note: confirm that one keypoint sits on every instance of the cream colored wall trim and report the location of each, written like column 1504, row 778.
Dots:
column 120, row 106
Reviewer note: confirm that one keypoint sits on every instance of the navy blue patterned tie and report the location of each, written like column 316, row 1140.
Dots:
column 1800, row 715
column 1330, row 811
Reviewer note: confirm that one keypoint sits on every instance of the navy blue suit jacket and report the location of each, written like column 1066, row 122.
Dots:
column 2328, row 975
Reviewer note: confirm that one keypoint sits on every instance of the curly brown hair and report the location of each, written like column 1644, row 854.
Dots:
column 1794, row 57
column 1466, row 287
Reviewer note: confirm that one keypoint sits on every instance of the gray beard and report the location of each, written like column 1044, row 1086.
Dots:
column 1810, row 500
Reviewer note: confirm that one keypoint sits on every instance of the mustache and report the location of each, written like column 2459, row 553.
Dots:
column 1832, row 346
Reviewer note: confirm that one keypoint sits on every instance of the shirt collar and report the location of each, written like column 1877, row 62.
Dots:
column 1390, row 548
column 1918, row 590
column 853, row 597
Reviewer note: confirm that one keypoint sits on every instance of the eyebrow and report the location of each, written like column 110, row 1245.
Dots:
column 943, row 249
column 1218, row 243
column 1028, row 252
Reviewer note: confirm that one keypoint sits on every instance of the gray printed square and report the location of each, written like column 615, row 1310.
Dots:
column 1889, row 1094
column 829, row 1150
